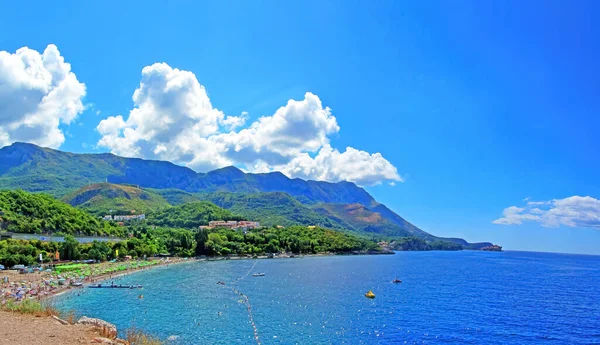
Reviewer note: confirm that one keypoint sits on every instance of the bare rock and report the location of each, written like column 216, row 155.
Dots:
column 106, row 329
column 60, row 320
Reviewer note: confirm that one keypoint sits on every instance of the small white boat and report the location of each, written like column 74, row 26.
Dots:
column 258, row 275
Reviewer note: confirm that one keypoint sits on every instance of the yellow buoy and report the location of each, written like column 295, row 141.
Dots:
column 370, row 294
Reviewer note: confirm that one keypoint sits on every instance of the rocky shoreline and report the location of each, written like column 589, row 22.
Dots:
column 492, row 248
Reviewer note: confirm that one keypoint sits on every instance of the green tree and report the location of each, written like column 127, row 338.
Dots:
column 70, row 248
column 201, row 237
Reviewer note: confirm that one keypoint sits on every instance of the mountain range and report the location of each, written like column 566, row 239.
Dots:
column 273, row 196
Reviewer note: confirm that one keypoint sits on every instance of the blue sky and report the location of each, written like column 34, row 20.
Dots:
column 474, row 105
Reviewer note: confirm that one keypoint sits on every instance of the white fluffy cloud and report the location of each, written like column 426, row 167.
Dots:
column 38, row 93
column 351, row 165
column 173, row 119
column 575, row 211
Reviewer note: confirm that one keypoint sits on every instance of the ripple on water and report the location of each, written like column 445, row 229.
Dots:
column 445, row 298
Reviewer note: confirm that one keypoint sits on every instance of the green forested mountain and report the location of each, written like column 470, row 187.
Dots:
column 190, row 215
column 102, row 198
column 273, row 208
column 40, row 213
column 36, row 169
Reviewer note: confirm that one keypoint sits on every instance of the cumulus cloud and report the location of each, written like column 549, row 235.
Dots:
column 174, row 119
column 233, row 122
column 38, row 93
column 574, row 211
column 351, row 165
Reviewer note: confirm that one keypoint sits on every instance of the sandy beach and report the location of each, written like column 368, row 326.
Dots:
column 29, row 329
column 42, row 285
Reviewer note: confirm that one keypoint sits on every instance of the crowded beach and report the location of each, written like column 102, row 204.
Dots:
column 41, row 283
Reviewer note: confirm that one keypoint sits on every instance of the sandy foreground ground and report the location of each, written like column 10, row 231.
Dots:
column 18, row 329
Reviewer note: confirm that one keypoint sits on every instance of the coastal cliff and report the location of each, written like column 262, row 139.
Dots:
column 492, row 248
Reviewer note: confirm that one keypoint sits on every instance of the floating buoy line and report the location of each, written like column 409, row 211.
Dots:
column 247, row 273
column 245, row 300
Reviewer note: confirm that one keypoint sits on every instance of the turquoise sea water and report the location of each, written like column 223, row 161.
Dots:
column 445, row 298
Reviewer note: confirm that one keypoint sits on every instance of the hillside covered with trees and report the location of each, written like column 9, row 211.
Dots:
column 109, row 198
column 274, row 208
column 190, row 215
column 295, row 239
column 59, row 173
column 41, row 213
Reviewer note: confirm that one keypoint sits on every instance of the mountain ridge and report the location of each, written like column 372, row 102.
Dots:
column 123, row 170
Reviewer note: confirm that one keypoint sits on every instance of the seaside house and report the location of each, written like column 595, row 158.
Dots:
column 231, row 224
column 128, row 218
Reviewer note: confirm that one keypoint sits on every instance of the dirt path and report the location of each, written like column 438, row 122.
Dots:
column 19, row 329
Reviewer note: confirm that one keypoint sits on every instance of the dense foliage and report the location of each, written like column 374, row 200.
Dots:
column 15, row 252
column 414, row 243
column 190, row 215
column 295, row 239
column 149, row 241
column 40, row 213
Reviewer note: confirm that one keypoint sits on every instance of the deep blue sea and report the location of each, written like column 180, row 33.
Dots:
column 463, row 297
